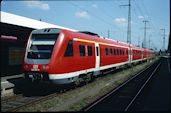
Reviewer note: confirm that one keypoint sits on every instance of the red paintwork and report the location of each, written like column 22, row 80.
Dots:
column 60, row 64
column 137, row 53
column 111, row 59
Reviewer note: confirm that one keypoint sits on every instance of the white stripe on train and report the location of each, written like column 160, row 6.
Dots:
column 77, row 73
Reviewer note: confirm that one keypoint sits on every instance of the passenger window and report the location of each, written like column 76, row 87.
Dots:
column 90, row 53
column 106, row 51
column 123, row 51
column 111, row 51
column 120, row 52
column 117, row 51
column 82, row 50
column 69, row 49
column 114, row 51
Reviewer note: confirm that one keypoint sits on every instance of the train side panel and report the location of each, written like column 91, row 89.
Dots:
column 75, row 54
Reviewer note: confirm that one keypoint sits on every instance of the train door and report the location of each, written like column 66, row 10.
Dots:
column 97, row 56
column 130, row 55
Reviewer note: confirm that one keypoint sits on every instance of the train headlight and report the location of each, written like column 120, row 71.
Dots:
column 45, row 67
column 27, row 66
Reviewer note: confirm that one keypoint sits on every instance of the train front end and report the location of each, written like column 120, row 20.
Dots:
column 38, row 53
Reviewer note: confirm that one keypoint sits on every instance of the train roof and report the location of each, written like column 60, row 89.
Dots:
column 27, row 22
column 89, row 33
column 111, row 41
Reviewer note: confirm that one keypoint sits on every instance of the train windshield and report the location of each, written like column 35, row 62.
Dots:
column 41, row 46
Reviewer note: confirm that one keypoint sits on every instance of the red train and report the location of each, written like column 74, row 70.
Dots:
column 63, row 56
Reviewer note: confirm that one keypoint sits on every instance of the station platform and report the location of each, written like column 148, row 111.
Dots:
column 9, row 83
column 159, row 96
column 4, row 79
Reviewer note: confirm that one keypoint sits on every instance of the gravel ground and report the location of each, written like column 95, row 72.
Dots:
column 75, row 100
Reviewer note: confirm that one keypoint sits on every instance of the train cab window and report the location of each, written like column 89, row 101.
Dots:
column 106, row 49
column 117, row 51
column 82, row 50
column 69, row 49
column 114, row 51
column 90, row 53
column 127, row 52
column 111, row 53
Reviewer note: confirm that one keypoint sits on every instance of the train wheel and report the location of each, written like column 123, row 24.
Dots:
column 78, row 82
column 89, row 78
column 92, row 78
column 102, row 73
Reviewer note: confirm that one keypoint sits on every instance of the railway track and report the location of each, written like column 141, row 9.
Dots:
column 23, row 102
column 11, row 98
column 124, row 96
column 20, row 102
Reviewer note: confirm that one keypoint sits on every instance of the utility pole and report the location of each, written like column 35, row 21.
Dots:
column 144, row 42
column 108, row 32
column 149, row 41
column 163, row 39
column 101, row 33
column 138, row 41
column 129, row 22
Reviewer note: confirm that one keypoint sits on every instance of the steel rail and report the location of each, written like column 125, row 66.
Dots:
column 13, row 97
column 126, row 109
column 117, row 88
column 39, row 99
column 32, row 102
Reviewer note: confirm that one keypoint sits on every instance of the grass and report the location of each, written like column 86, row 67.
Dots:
column 75, row 100
column 128, row 73
column 79, row 106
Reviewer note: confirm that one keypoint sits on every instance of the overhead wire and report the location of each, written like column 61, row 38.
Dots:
column 136, row 8
column 97, row 17
column 146, row 17
column 74, row 5
column 151, row 21
column 107, row 15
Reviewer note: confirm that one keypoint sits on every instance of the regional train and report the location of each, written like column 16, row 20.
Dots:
column 62, row 56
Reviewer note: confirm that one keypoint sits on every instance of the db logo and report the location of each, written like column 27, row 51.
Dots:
column 35, row 66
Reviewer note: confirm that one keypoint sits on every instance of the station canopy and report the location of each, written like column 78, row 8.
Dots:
column 27, row 22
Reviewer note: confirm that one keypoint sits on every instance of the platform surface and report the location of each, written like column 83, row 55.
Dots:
column 158, row 98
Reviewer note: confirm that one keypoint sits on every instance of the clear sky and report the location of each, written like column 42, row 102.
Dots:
column 101, row 16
